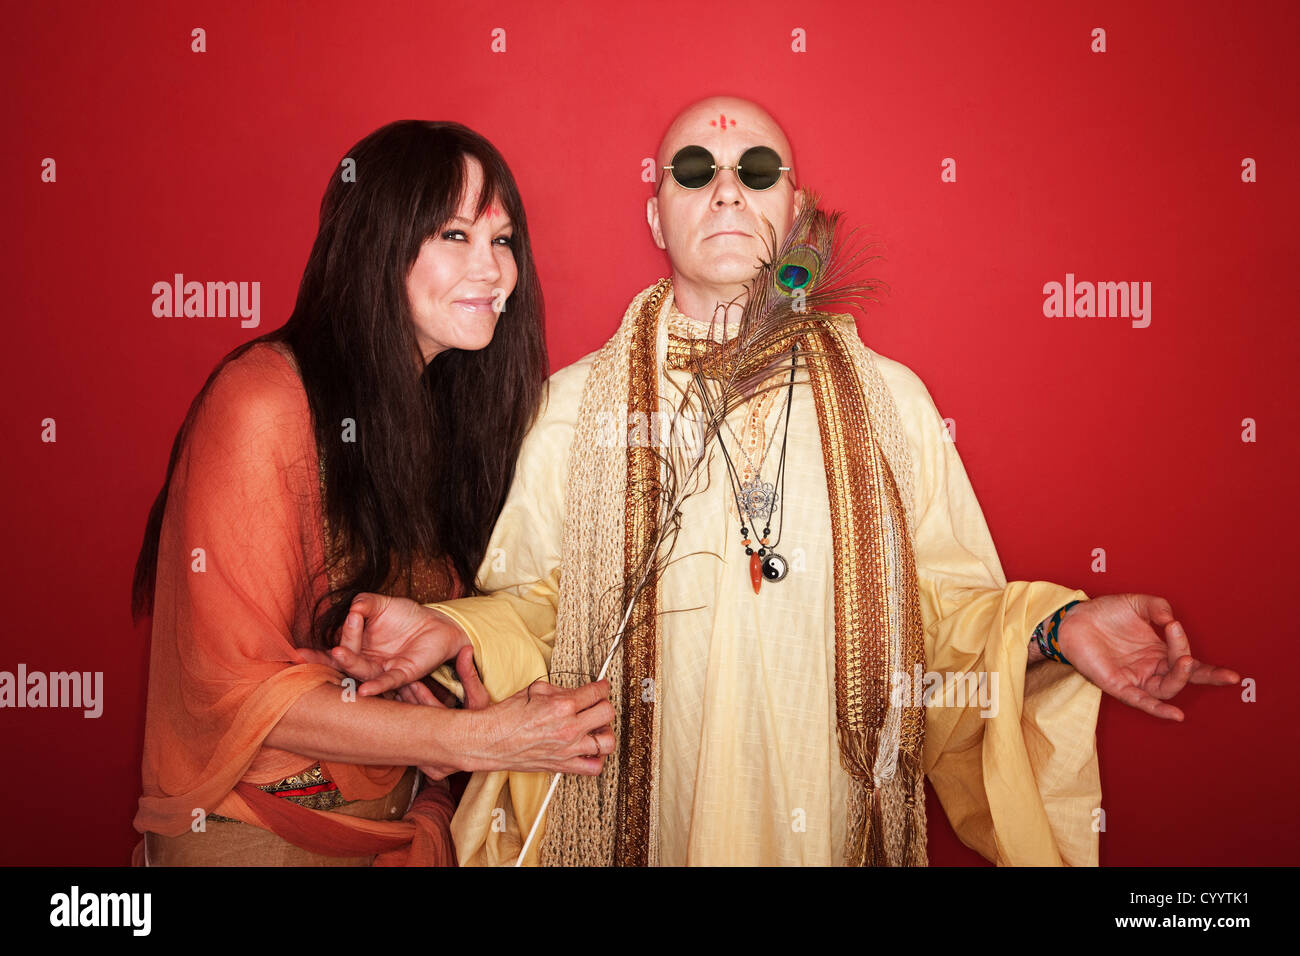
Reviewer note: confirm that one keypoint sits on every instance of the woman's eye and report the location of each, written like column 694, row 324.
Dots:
column 507, row 241
column 453, row 233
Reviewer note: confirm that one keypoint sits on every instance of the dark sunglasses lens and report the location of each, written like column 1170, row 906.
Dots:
column 760, row 168
column 693, row 167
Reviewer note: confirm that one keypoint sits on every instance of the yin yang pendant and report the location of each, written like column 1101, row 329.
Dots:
column 770, row 566
column 774, row 566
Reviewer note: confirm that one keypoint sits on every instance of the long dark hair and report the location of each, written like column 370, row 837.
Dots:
column 434, row 455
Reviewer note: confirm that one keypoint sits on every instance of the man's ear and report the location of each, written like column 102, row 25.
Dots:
column 652, row 219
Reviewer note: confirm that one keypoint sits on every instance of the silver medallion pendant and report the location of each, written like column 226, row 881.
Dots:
column 774, row 566
column 758, row 497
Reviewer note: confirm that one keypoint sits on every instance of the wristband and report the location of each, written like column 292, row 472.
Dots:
column 1047, row 634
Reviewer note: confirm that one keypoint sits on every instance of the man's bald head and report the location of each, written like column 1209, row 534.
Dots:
column 724, row 114
column 716, row 236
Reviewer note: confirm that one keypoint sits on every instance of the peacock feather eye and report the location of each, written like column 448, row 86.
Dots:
column 798, row 270
column 794, row 277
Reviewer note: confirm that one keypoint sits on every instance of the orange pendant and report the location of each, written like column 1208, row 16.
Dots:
column 756, row 570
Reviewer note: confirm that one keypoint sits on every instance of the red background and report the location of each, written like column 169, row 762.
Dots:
column 1077, row 433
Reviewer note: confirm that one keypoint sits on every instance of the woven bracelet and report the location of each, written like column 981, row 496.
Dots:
column 1047, row 634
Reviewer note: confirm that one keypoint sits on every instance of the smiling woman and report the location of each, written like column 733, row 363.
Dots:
column 460, row 282
column 309, row 470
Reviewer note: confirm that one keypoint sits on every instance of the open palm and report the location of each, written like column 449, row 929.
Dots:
column 1132, row 647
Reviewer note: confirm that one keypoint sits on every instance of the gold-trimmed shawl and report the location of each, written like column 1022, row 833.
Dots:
column 613, row 504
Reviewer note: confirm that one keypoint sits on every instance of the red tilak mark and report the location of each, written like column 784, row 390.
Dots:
column 722, row 121
column 493, row 211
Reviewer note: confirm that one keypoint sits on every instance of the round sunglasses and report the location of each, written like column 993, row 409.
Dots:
column 759, row 167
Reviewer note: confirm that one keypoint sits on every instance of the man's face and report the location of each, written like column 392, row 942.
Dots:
column 715, row 236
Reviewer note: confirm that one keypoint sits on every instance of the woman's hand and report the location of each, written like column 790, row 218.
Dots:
column 546, row 729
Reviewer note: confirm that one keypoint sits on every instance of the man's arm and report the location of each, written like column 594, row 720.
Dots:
column 1016, row 772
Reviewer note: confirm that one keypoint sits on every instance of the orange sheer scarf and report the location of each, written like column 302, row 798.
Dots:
column 240, row 565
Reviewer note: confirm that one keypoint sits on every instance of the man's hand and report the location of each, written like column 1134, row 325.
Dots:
column 1131, row 646
column 389, row 642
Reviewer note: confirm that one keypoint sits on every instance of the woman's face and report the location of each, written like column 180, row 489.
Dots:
column 464, row 273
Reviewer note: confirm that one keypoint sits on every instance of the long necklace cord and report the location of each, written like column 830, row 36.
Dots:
column 734, row 481
column 731, row 478
column 780, row 471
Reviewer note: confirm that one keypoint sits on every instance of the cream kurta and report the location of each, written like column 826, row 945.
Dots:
column 750, row 770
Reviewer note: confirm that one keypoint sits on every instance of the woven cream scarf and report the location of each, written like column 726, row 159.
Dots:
column 612, row 509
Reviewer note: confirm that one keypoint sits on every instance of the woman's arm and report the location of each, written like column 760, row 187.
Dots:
column 331, row 723
column 544, row 730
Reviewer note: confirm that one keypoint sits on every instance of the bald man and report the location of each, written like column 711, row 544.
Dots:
column 750, row 725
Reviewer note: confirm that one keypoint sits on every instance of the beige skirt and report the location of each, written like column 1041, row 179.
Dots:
column 243, row 844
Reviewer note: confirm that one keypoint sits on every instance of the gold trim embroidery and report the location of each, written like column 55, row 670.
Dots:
column 641, row 639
